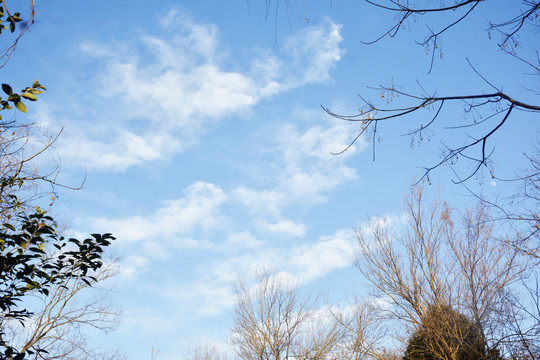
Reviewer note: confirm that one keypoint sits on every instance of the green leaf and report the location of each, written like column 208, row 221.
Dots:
column 19, row 105
column 14, row 97
column 12, row 27
column 35, row 92
column 9, row 226
column 7, row 89
column 37, row 85
column 29, row 96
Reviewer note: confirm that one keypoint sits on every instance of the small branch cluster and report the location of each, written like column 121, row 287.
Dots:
column 371, row 115
column 492, row 105
column 273, row 321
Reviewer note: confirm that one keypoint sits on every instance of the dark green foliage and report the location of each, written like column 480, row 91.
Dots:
column 34, row 258
column 11, row 19
column 447, row 334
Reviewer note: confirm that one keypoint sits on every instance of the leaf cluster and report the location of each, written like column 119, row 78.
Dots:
column 11, row 19
column 28, row 93
column 34, row 258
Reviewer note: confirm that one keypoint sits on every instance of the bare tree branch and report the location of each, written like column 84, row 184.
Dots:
column 370, row 115
column 438, row 267
column 5, row 55
column 59, row 322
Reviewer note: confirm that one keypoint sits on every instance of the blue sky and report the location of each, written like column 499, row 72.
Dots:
column 198, row 129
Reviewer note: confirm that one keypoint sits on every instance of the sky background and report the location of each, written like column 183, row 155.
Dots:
column 197, row 129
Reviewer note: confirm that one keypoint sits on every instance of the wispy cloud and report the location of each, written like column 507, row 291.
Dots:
column 199, row 208
column 117, row 149
column 164, row 91
column 283, row 228
column 260, row 201
column 304, row 263
column 304, row 169
column 132, row 266
column 315, row 51
column 313, row 261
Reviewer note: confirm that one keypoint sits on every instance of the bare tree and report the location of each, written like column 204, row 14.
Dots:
column 45, row 302
column 447, row 334
column 434, row 265
column 22, row 143
column 362, row 331
column 371, row 114
column 60, row 321
column 521, row 211
column 22, row 146
column 201, row 351
column 273, row 321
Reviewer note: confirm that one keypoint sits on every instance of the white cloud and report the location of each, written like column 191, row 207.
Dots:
column 284, row 228
column 96, row 50
column 164, row 93
column 318, row 143
column 310, row 168
column 312, row 184
column 198, row 208
column 205, row 294
column 315, row 51
column 149, row 319
column 167, row 90
column 242, row 239
column 132, row 266
column 260, row 201
column 303, row 262
column 389, row 221
column 124, row 149
column 181, row 98
column 302, row 168
column 330, row 253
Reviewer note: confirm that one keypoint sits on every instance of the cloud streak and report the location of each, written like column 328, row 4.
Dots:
column 165, row 91
column 198, row 209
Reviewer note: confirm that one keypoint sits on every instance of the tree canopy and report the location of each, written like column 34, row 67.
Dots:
column 35, row 259
column 460, row 338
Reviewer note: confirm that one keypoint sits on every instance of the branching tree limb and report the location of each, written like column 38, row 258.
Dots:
column 13, row 19
column 496, row 104
column 438, row 270
column 58, row 323
column 272, row 321
column 371, row 115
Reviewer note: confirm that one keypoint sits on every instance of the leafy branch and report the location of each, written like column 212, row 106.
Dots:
column 28, row 93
